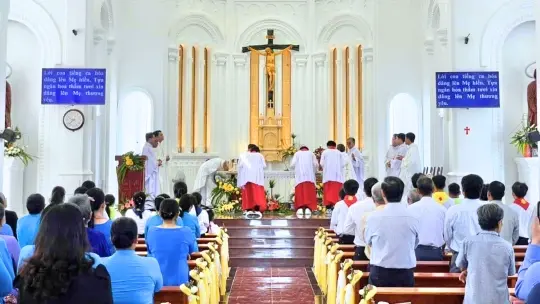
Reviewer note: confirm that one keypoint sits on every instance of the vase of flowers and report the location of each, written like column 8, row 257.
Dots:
column 520, row 139
column 17, row 151
column 226, row 197
column 289, row 152
column 130, row 162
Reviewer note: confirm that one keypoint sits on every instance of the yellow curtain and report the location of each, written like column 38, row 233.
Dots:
column 332, row 276
column 192, row 298
column 342, row 281
column 350, row 296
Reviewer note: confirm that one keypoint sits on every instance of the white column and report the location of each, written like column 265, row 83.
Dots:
column 322, row 97
column 375, row 164
column 217, row 119
column 302, row 118
column 199, row 114
column 242, row 101
column 428, row 99
column 112, row 89
column 172, row 68
column 339, row 89
column 4, row 12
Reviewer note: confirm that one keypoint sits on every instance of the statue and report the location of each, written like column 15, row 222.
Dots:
column 8, row 97
column 531, row 101
column 270, row 64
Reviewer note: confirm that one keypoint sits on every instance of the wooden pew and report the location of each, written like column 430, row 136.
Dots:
column 350, row 248
column 142, row 247
column 422, row 295
column 518, row 256
column 442, row 266
column 170, row 294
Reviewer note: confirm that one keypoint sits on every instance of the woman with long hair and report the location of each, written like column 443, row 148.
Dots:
column 187, row 201
column 99, row 221
column 171, row 245
column 134, row 279
column 137, row 212
column 59, row 268
column 58, row 195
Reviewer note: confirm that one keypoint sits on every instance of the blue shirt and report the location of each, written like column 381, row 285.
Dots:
column 192, row 222
column 461, row 222
column 6, row 230
column 105, row 228
column 99, row 243
column 171, row 248
column 27, row 229
column 392, row 234
column 156, row 220
column 529, row 272
column 7, row 273
column 28, row 251
column 489, row 260
column 134, row 279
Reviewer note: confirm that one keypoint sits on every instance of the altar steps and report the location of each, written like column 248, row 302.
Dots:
column 272, row 242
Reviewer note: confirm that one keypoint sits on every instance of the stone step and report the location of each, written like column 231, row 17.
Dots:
column 271, row 231
column 273, row 241
column 228, row 223
column 270, row 252
column 247, row 261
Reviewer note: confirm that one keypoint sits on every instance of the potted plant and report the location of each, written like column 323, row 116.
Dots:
column 520, row 140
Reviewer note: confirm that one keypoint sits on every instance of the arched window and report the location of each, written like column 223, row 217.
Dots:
column 135, row 119
column 404, row 116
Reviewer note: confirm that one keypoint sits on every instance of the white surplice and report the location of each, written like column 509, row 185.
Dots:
column 251, row 169
column 151, row 171
column 305, row 166
column 395, row 163
column 358, row 166
column 348, row 170
column 410, row 165
column 333, row 162
column 205, row 179
column 390, row 156
column 161, row 154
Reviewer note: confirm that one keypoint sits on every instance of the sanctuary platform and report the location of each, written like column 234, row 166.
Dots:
column 273, row 241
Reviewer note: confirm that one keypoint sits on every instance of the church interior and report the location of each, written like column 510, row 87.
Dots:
column 213, row 76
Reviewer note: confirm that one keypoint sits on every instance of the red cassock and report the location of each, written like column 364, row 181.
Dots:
column 253, row 195
column 305, row 196
column 331, row 192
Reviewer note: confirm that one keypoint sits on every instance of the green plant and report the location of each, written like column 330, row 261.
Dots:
column 520, row 138
column 131, row 162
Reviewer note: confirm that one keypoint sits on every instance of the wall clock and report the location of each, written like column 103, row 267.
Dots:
column 73, row 120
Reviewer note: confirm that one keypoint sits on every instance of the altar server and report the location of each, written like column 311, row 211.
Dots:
column 332, row 162
column 305, row 166
column 357, row 160
column 522, row 207
column 251, row 180
column 205, row 181
column 151, row 167
column 411, row 163
column 339, row 216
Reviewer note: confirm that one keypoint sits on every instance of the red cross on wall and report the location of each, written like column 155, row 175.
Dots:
column 467, row 129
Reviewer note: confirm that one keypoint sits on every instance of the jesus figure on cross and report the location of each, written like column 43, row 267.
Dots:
column 270, row 64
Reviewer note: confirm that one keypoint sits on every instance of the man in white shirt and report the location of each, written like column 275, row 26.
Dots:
column 392, row 234
column 390, row 155
column 163, row 159
column 332, row 163
column 395, row 155
column 355, row 216
column 430, row 216
column 510, row 227
column 411, row 163
column 205, row 180
column 461, row 221
column 151, row 167
column 357, row 160
column 305, row 166
column 339, row 215
column 251, row 181
column 522, row 207
column 348, row 171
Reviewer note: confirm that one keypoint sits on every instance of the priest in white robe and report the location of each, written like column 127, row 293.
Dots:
column 348, row 170
column 411, row 163
column 332, row 162
column 206, row 176
column 305, row 166
column 151, row 167
column 357, row 160
column 399, row 151
column 251, row 180
column 390, row 155
column 163, row 160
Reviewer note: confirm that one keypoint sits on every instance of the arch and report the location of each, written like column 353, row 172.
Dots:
column 135, row 113
column 343, row 20
column 432, row 5
column 201, row 21
column 502, row 22
column 39, row 21
column 281, row 26
column 404, row 114
column 435, row 18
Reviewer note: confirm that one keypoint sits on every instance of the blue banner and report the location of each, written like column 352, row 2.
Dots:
column 467, row 89
column 64, row 86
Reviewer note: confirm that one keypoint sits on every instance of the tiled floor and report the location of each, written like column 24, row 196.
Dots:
column 274, row 286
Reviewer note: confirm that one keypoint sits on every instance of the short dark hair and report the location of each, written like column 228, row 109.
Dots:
column 341, row 147
column 401, row 136
column 123, row 232
column 159, row 199
column 439, row 181
column 342, row 194
column 251, row 146
column 520, row 189
column 2, row 213
column 350, row 187
column 472, row 185
column 392, row 188
column 80, row 190
column 186, row 202
column 198, row 198
column 88, row 184
column 156, row 133
column 425, row 186
column 109, row 199
column 410, row 136
column 330, row 143
column 496, row 189
column 139, row 198
column 35, row 203
column 210, row 215
column 454, row 189
column 483, row 194
column 351, row 139
column 169, row 209
column 149, row 136
column 179, row 189
column 489, row 216
column 415, row 178
column 368, row 184
column 256, row 149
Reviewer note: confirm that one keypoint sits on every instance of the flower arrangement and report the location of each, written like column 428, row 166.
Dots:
column 226, row 197
column 16, row 151
column 520, row 139
column 321, row 208
column 289, row 152
column 125, row 206
column 131, row 162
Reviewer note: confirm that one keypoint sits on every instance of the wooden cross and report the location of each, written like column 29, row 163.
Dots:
column 270, row 44
column 467, row 129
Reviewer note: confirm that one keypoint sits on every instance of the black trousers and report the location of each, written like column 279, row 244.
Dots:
column 346, row 239
column 453, row 266
column 428, row 253
column 522, row 241
column 359, row 254
column 391, row 277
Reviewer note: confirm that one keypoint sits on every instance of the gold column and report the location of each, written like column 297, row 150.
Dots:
column 193, row 96
column 286, row 97
column 179, row 126
column 206, row 95
column 347, row 86
column 334, row 94
column 359, row 97
column 254, row 98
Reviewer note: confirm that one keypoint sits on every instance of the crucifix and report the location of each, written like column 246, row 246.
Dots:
column 467, row 129
column 270, row 54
